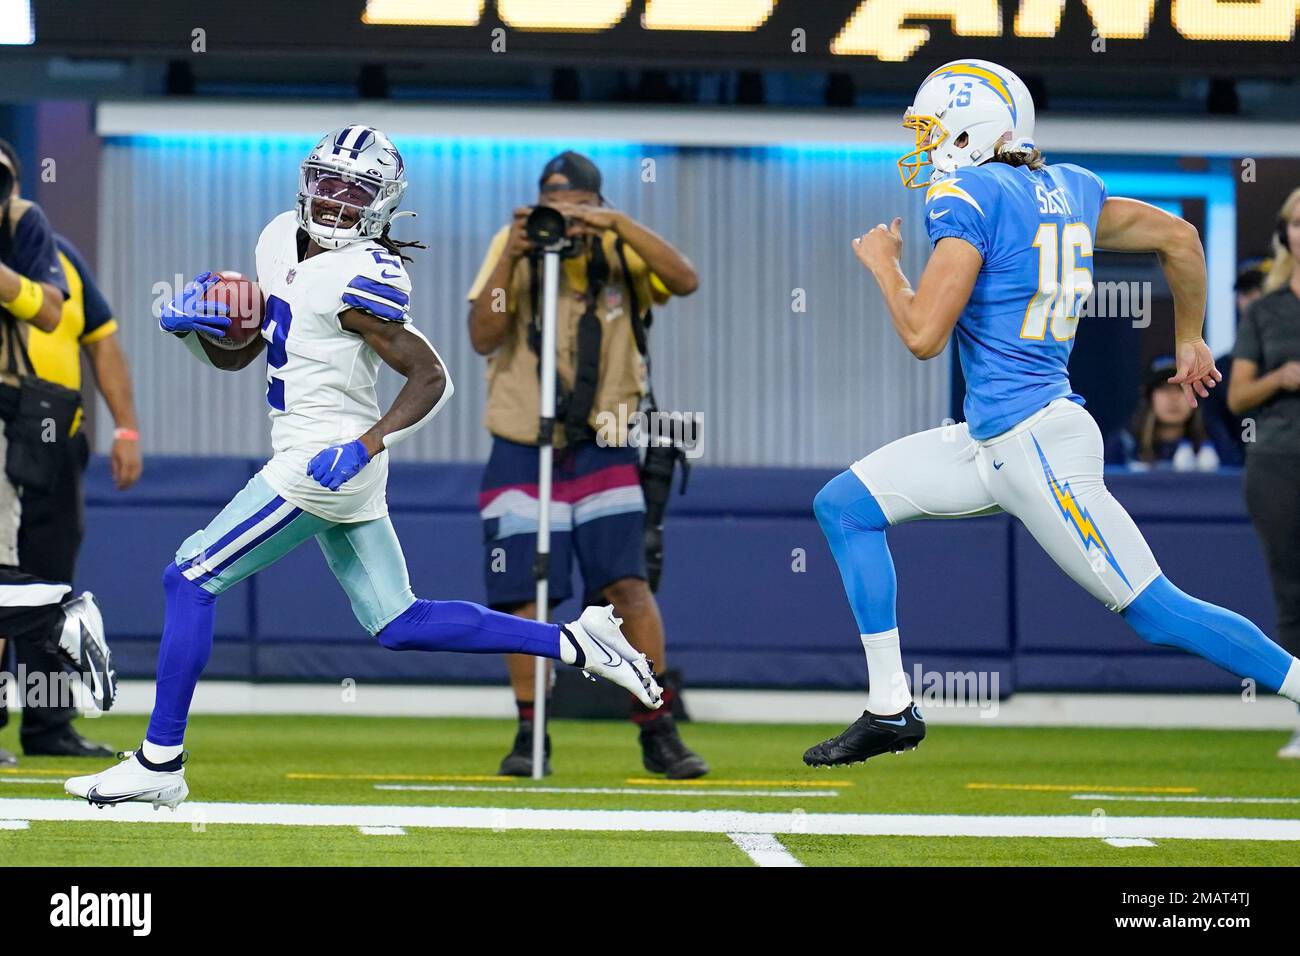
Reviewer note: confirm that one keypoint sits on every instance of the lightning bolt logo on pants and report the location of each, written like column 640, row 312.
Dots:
column 1077, row 517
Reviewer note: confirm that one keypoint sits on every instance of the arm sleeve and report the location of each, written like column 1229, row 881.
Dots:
column 649, row 287
column 35, row 254
column 495, row 248
column 960, row 207
column 381, row 288
column 1248, row 344
column 1099, row 184
column 99, row 322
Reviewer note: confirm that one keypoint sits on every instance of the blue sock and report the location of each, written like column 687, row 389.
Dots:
column 468, row 628
column 855, row 527
column 1162, row 614
column 182, row 655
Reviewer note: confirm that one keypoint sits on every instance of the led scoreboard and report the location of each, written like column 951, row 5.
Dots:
column 1229, row 37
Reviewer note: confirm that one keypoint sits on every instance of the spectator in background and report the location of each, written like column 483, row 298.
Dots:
column 1223, row 425
column 1165, row 432
column 53, row 518
column 1265, row 388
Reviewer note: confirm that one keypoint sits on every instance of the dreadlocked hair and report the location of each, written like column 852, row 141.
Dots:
column 395, row 246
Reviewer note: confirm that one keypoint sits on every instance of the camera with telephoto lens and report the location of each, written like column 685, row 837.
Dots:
column 548, row 230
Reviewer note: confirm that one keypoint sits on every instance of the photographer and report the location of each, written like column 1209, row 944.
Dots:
column 53, row 515
column 613, row 270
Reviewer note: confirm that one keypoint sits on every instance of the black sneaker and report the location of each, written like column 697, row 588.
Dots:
column 519, row 762
column 869, row 736
column 7, row 759
column 663, row 751
column 64, row 742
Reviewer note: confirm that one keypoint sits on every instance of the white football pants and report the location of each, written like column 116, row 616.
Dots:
column 1046, row 471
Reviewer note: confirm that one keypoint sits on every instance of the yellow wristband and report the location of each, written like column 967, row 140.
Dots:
column 27, row 303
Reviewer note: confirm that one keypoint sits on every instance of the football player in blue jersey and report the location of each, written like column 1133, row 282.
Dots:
column 1011, row 269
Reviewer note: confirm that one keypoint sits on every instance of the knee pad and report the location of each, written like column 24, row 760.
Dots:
column 396, row 634
column 846, row 499
column 175, row 582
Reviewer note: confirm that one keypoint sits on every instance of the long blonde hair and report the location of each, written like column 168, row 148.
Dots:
column 1284, row 260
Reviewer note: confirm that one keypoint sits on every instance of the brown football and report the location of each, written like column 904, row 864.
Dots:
column 244, row 300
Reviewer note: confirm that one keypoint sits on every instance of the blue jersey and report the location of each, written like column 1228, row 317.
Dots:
column 1035, row 230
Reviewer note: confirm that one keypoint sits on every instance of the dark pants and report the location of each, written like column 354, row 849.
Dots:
column 53, row 524
column 1273, row 500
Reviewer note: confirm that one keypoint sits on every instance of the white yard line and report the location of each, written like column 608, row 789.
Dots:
column 764, row 849
column 1172, row 799
column 619, row 791
column 45, row 780
column 667, row 821
column 1128, row 841
column 382, row 831
column 14, row 824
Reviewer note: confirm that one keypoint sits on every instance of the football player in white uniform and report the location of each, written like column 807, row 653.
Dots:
column 337, row 304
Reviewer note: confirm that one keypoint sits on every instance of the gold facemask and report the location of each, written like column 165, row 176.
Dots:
column 929, row 135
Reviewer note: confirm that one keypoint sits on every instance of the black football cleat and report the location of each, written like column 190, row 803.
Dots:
column 64, row 742
column 663, row 751
column 519, row 762
column 869, row 736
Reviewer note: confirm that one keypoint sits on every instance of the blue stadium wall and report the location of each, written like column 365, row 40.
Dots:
column 751, row 596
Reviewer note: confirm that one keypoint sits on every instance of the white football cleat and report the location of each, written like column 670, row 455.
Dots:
column 1291, row 750
column 595, row 643
column 131, row 782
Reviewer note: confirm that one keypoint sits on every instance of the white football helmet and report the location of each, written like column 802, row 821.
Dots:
column 987, row 103
column 354, row 169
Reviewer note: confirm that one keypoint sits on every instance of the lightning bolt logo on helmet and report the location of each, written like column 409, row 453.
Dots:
column 963, row 114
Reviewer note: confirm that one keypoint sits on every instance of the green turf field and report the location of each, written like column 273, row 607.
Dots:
column 420, row 778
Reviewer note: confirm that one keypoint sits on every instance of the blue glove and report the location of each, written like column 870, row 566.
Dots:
column 336, row 464
column 190, row 312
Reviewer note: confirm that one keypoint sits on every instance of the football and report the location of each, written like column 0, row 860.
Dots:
column 246, row 304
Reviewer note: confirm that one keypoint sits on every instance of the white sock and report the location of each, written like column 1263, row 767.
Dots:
column 157, row 753
column 1290, row 688
column 888, row 692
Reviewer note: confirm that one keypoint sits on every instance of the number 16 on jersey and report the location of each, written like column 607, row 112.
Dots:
column 1064, row 280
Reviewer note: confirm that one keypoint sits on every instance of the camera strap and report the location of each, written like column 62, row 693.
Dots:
column 7, row 227
column 573, row 407
column 639, row 325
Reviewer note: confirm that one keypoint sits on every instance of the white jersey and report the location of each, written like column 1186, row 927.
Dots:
column 320, row 379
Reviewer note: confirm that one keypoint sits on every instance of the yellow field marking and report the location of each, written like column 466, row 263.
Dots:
column 1063, row 788
column 811, row 784
column 424, row 778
